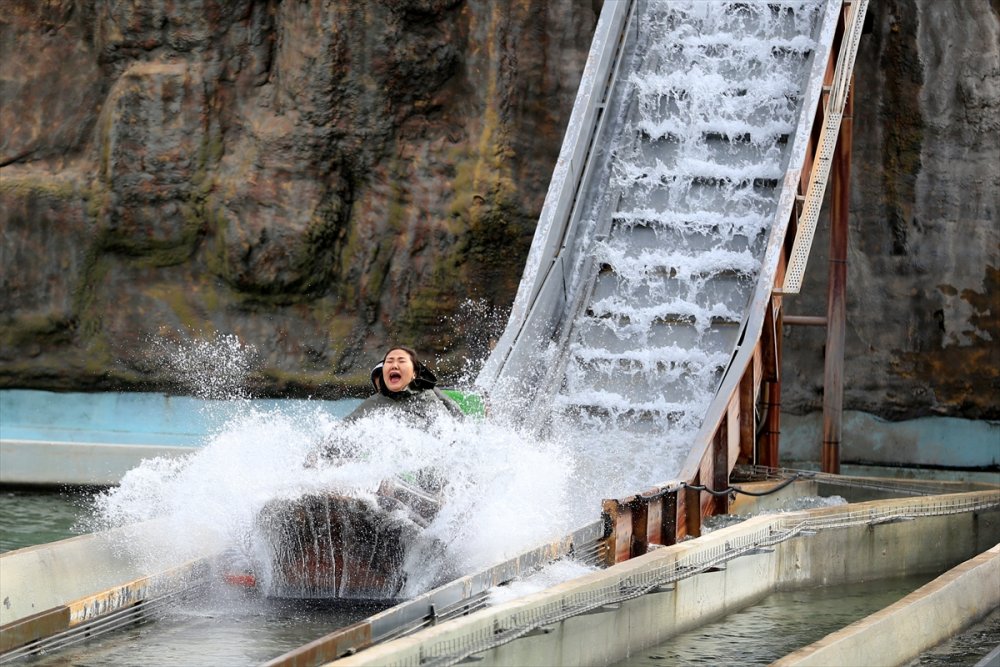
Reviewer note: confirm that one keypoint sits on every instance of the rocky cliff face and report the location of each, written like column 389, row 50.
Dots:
column 923, row 332
column 318, row 178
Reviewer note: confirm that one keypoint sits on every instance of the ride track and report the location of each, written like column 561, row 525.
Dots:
column 681, row 211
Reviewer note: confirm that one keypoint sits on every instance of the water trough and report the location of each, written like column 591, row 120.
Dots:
column 604, row 617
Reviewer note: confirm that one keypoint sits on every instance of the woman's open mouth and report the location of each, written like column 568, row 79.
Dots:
column 395, row 376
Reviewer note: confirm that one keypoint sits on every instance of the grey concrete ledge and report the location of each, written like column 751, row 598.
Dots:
column 712, row 576
column 921, row 620
column 946, row 442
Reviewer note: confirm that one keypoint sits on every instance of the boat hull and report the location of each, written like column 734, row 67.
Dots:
column 330, row 546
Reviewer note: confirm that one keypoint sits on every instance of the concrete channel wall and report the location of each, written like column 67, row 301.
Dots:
column 53, row 587
column 919, row 621
column 603, row 617
column 597, row 619
column 93, row 439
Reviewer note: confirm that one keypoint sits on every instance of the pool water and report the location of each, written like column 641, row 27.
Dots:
column 36, row 517
column 786, row 621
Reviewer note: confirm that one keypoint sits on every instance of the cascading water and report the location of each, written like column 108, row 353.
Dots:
column 671, row 230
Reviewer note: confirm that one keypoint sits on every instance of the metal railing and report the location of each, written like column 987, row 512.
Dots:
column 819, row 173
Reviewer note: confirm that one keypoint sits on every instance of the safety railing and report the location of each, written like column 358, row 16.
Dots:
column 540, row 618
column 819, row 173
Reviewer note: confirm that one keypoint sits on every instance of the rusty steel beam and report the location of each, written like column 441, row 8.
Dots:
column 836, row 314
column 82, row 615
column 343, row 642
column 655, row 506
column 32, row 628
column 619, row 541
column 668, row 519
column 692, row 511
column 640, row 527
column 771, row 341
column 630, row 526
column 804, row 320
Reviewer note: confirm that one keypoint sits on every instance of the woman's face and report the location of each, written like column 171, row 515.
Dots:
column 397, row 370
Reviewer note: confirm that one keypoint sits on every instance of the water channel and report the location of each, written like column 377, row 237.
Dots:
column 221, row 625
column 781, row 623
column 218, row 627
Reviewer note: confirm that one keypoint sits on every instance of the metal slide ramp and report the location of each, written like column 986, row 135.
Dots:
column 641, row 282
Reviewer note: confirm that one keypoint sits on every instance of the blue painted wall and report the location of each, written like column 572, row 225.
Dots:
column 128, row 418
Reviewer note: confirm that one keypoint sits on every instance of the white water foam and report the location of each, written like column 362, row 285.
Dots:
column 540, row 580
column 505, row 491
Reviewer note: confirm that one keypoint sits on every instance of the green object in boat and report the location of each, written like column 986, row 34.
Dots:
column 470, row 403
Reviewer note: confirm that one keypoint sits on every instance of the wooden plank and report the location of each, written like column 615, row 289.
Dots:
column 668, row 519
column 692, row 511
column 654, row 518
column 640, row 540
column 747, row 421
column 720, row 467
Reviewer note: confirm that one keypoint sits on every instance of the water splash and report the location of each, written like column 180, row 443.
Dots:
column 546, row 577
column 216, row 367
column 479, row 324
column 507, row 489
column 504, row 492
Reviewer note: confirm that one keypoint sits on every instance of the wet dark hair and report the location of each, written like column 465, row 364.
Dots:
column 423, row 378
column 409, row 350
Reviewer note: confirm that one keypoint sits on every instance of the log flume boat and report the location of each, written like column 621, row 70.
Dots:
column 330, row 545
column 336, row 546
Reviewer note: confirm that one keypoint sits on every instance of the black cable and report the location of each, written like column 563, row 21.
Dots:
column 736, row 489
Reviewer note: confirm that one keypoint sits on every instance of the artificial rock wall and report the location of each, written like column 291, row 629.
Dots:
column 318, row 178
column 315, row 178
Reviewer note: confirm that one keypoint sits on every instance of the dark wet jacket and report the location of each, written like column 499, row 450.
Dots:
column 417, row 492
column 423, row 404
column 420, row 399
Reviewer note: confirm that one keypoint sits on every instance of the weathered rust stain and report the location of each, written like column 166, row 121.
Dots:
column 965, row 379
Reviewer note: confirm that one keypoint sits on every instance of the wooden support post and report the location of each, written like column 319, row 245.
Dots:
column 774, row 398
column 692, row 511
column 668, row 520
column 640, row 538
column 720, row 466
column 748, row 425
column 610, row 513
column 771, row 341
column 654, row 519
column 836, row 314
